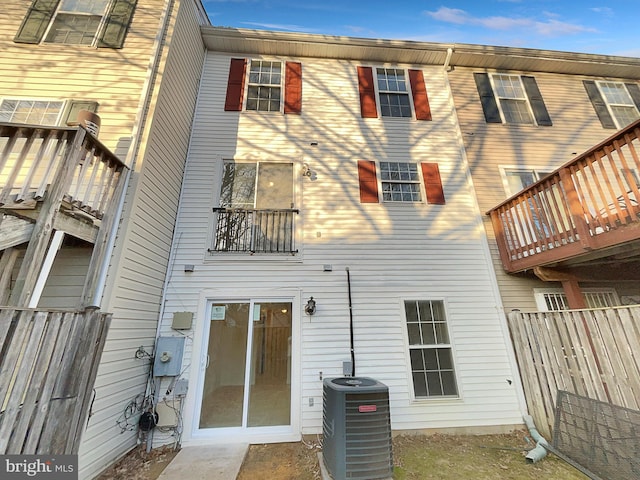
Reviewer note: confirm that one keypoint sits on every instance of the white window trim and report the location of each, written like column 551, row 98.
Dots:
column 423, row 193
column 541, row 304
column 451, row 346
column 298, row 166
column 65, row 104
column 499, row 98
column 409, row 94
column 510, row 168
column 96, row 36
column 609, row 105
column 245, row 96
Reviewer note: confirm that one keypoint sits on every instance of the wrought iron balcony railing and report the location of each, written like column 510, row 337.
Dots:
column 255, row 231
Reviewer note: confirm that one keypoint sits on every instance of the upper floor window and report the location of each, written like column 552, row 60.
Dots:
column 393, row 93
column 430, row 349
column 617, row 104
column 400, row 182
column 267, row 90
column 76, row 22
column 102, row 23
column 396, row 92
column 264, row 92
column 32, row 112
column 513, row 99
column 256, row 213
column 43, row 111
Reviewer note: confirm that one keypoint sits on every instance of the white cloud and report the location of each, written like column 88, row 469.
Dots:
column 549, row 27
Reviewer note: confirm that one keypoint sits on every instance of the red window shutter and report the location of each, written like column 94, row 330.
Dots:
column 367, row 91
column 432, row 183
column 368, row 181
column 235, row 87
column 293, row 88
column 420, row 98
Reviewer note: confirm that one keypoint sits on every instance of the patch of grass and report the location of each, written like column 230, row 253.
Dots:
column 483, row 457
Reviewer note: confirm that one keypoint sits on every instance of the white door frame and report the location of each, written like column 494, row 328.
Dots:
column 193, row 435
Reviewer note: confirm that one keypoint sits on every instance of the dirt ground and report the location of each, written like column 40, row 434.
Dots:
column 416, row 457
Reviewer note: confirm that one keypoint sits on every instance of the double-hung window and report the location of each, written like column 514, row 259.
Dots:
column 430, row 349
column 256, row 211
column 101, row 23
column 77, row 22
column 620, row 103
column 400, row 182
column 393, row 92
column 511, row 99
column 616, row 104
column 265, row 90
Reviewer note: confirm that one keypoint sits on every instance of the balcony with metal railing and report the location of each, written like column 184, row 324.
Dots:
column 242, row 230
column 585, row 210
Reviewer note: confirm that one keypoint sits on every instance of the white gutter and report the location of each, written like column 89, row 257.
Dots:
column 138, row 130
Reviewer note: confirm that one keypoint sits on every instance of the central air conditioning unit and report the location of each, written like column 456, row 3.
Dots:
column 356, row 429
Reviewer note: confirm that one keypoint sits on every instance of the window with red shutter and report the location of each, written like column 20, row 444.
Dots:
column 235, row 86
column 368, row 181
column 419, row 92
column 293, row 88
column 367, row 91
column 432, row 183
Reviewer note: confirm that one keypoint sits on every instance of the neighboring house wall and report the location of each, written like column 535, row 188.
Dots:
column 489, row 146
column 395, row 252
column 135, row 280
column 118, row 79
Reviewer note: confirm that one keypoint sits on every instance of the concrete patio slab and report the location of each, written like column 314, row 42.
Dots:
column 210, row 462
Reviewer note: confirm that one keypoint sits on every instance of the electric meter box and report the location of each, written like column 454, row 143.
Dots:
column 168, row 359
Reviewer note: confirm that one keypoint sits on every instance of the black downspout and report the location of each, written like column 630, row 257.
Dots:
column 353, row 357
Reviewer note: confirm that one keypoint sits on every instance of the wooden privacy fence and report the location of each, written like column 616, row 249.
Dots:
column 48, row 364
column 594, row 353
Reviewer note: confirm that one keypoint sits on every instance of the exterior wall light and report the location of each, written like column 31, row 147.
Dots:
column 310, row 307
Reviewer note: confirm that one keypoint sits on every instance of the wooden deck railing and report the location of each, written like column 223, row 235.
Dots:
column 592, row 202
column 37, row 160
column 48, row 365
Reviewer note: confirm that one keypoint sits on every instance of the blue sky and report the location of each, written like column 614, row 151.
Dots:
column 600, row 26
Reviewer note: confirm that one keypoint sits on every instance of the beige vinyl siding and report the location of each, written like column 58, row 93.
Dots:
column 65, row 284
column 575, row 129
column 136, row 277
column 394, row 252
column 113, row 78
